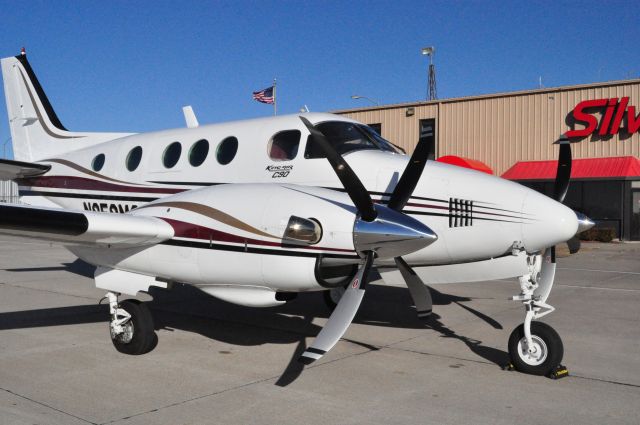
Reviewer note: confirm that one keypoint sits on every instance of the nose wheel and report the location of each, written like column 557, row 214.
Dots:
column 131, row 326
column 540, row 356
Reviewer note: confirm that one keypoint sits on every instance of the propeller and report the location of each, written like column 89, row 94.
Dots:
column 355, row 189
column 561, row 186
column 378, row 231
column 424, row 151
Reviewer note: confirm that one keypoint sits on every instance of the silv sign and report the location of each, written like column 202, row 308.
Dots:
column 613, row 114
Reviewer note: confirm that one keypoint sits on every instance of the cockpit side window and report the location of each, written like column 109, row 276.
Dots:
column 283, row 146
column 347, row 137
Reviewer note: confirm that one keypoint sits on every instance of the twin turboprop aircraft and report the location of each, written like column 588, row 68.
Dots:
column 254, row 212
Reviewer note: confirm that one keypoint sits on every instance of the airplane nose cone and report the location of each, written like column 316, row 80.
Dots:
column 547, row 222
column 584, row 222
column 391, row 234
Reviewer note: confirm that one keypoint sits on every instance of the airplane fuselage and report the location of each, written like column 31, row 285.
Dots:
column 476, row 216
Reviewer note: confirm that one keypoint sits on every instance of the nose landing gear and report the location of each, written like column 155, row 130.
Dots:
column 131, row 326
column 535, row 347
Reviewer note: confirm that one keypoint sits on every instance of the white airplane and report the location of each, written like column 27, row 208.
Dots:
column 253, row 212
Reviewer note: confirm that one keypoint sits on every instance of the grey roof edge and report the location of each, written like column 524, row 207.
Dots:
column 488, row 96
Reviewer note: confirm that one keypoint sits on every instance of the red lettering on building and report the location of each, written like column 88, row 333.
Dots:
column 612, row 116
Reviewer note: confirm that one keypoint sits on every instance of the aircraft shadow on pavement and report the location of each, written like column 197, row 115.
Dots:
column 187, row 308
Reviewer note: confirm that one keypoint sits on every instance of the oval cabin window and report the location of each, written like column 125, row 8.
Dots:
column 198, row 152
column 227, row 150
column 171, row 154
column 133, row 158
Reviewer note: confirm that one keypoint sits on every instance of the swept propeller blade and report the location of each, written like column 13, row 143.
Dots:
column 425, row 150
column 342, row 316
column 563, row 174
column 418, row 290
column 354, row 187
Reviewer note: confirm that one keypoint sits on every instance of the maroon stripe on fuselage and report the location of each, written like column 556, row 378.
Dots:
column 183, row 229
column 82, row 183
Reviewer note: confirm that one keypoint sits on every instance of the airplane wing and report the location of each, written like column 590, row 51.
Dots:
column 83, row 227
column 10, row 170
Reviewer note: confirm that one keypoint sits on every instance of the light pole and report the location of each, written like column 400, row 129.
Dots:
column 375, row 102
column 432, row 92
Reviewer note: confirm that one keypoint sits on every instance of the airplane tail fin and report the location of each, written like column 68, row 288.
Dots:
column 36, row 130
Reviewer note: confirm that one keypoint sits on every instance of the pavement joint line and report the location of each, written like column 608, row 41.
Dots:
column 600, row 288
column 599, row 271
column 200, row 397
column 47, row 406
column 608, row 381
column 45, row 290
column 571, row 375
column 442, row 356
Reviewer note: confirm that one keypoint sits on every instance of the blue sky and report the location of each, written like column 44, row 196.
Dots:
column 131, row 66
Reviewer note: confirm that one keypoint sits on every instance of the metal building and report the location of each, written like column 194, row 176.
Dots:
column 8, row 192
column 518, row 129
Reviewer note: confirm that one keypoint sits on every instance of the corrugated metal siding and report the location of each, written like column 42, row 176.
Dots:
column 504, row 129
column 8, row 192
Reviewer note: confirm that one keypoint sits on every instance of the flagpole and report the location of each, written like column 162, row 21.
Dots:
column 275, row 101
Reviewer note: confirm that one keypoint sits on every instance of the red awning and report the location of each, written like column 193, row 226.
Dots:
column 616, row 167
column 466, row 163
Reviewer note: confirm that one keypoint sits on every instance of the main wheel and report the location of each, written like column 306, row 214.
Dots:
column 546, row 353
column 332, row 296
column 138, row 336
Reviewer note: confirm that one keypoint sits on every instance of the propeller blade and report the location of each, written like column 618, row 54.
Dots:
column 342, row 316
column 354, row 187
column 425, row 150
column 574, row 244
column 563, row 174
column 419, row 291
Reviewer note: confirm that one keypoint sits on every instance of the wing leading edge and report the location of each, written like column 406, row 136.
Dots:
column 83, row 227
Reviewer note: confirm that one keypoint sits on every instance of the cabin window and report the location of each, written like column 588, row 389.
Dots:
column 227, row 150
column 171, row 154
column 133, row 158
column 98, row 162
column 284, row 145
column 198, row 152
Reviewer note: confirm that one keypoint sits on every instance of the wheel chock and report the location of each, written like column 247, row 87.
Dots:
column 559, row 372
column 509, row 367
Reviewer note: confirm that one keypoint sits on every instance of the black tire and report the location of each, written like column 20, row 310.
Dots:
column 143, row 337
column 329, row 297
column 552, row 347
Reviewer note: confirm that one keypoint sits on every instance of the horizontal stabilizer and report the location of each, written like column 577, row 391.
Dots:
column 83, row 227
column 10, row 170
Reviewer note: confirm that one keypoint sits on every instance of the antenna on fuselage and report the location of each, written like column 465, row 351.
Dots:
column 190, row 117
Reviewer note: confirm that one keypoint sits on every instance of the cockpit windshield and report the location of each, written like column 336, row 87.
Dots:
column 348, row 137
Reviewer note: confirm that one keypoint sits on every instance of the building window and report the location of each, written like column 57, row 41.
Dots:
column 171, row 154
column 227, row 150
column 133, row 158
column 198, row 152
column 283, row 146
column 98, row 162
column 377, row 128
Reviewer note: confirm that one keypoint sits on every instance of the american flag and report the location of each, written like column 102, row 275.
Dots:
column 264, row 96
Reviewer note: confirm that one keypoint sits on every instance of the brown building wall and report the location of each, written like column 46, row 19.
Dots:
column 503, row 129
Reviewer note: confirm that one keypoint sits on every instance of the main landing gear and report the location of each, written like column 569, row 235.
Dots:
column 535, row 347
column 131, row 326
